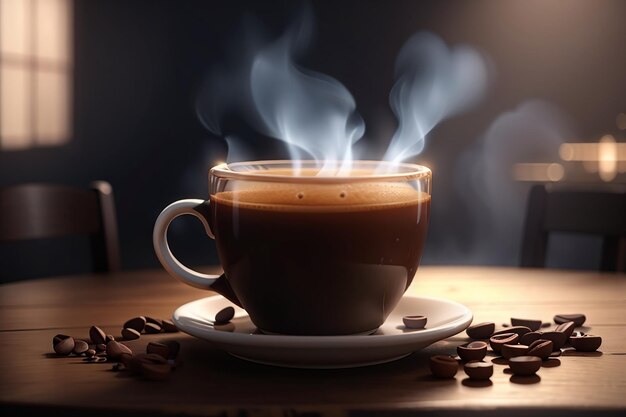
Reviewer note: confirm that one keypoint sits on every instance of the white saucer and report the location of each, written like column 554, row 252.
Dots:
column 390, row 342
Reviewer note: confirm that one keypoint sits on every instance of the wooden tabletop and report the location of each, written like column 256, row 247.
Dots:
column 210, row 382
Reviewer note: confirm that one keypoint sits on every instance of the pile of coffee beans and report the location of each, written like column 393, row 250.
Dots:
column 520, row 344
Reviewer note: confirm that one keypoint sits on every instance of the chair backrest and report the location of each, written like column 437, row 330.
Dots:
column 39, row 211
column 589, row 212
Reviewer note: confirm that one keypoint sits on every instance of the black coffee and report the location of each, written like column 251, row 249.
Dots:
column 320, row 259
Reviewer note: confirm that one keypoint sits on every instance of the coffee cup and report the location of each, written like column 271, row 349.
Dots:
column 308, row 250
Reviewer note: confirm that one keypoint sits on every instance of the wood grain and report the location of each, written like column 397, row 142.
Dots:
column 211, row 382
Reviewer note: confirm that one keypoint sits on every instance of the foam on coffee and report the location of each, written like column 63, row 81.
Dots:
column 322, row 197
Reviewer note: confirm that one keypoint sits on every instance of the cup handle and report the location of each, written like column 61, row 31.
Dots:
column 198, row 209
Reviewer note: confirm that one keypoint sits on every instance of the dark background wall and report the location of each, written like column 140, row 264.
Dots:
column 138, row 66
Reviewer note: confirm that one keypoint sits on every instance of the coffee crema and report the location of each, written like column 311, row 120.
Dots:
column 348, row 251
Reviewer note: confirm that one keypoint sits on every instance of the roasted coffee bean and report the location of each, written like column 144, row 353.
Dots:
column 481, row 330
column 558, row 339
column 97, row 335
column 101, row 347
column 478, row 370
column 541, row 348
column 567, row 328
column 64, row 346
column 533, row 325
column 525, row 365
column 136, row 323
column 153, row 320
column 510, row 351
column 586, row 343
column 90, row 352
column 412, row 322
column 529, row 338
column 156, row 372
column 130, row 334
column 473, row 351
column 498, row 341
column 152, row 328
column 115, row 349
column 578, row 318
column 169, row 326
column 174, row 348
column 56, row 339
column 518, row 330
column 443, row 366
column 80, row 347
column 225, row 315
column 158, row 349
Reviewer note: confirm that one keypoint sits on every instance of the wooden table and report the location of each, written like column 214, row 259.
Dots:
column 210, row 382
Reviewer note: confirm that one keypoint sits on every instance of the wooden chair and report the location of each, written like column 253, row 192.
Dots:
column 39, row 211
column 588, row 212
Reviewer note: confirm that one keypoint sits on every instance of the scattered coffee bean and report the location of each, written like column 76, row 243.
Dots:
column 97, row 335
column 533, row 325
column 481, row 330
column 478, row 370
column 558, row 339
column 101, row 347
column 225, row 315
column 529, row 338
column 156, row 372
column 498, row 341
column 80, row 347
column 90, row 352
column 443, row 366
column 130, row 334
column 136, row 323
column 518, row 330
column 169, row 326
column 473, row 351
column 578, row 318
column 541, row 348
column 64, row 346
column 152, row 328
column 525, row 365
column 412, row 322
column 115, row 349
column 567, row 328
column 158, row 349
column 586, row 343
column 153, row 320
column 510, row 351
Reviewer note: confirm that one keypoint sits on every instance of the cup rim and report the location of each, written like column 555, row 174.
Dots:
column 411, row 172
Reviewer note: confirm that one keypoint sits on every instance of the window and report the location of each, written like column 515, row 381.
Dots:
column 35, row 73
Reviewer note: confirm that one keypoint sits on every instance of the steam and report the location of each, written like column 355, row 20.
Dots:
column 315, row 116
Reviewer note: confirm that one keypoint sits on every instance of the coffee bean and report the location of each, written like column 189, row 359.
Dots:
column 97, row 335
column 58, row 338
column 529, row 338
column 153, row 320
column 586, row 343
column 115, row 349
column 152, row 328
column 518, row 330
column 130, row 334
column 473, row 351
column 533, row 325
column 510, row 351
column 578, row 318
column 158, row 349
column 558, row 339
column 498, row 341
column 479, row 370
column 156, row 372
column 101, row 347
column 174, row 348
column 90, row 352
column 412, row 322
column 541, row 348
column 443, row 366
column 567, row 328
column 169, row 326
column 136, row 323
column 225, row 315
column 525, row 365
column 481, row 330
column 64, row 346
column 80, row 347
